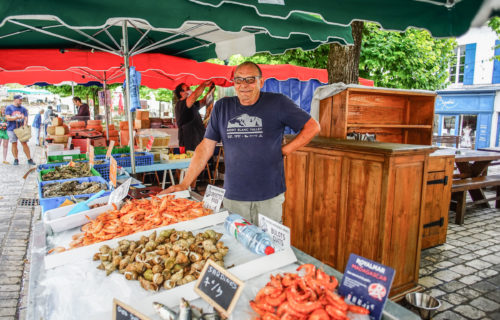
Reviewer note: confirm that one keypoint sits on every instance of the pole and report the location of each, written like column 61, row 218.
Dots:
column 106, row 108
column 126, row 57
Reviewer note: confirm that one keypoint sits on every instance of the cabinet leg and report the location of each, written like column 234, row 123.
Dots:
column 497, row 202
column 460, row 211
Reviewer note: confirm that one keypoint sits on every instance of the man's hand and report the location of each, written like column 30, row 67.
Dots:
column 175, row 188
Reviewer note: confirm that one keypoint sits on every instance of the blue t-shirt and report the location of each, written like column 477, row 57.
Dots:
column 12, row 110
column 252, row 138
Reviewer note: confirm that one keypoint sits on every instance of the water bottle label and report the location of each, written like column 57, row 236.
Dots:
column 236, row 225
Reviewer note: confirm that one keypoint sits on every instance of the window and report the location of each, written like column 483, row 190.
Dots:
column 458, row 65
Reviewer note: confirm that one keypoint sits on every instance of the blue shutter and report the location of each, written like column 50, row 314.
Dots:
column 470, row 60
column 496, row 65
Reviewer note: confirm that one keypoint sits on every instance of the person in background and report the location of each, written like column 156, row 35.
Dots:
column 17, row 116
column 187, row 114
column 4, row 138
column 83, row 110
column 251, row 127
column 47, row 119
column 37, row 124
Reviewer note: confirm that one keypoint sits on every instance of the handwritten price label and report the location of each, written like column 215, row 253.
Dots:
column 122, row 311
column 279, row 233
column 218, row 287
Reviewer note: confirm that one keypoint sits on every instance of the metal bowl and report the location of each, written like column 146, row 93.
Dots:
column 425, row 304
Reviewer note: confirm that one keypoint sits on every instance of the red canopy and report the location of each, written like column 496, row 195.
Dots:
column 28, row 66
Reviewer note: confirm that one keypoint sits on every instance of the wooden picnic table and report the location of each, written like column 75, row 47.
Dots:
column 472, row 164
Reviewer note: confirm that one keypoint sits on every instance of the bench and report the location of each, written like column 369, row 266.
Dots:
column 459, row 191
column 446, row 139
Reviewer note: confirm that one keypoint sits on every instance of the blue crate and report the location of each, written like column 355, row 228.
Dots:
column 52, row 203
column 45, row 166
column 141, row 159
column 103, row 169
column 48, row 202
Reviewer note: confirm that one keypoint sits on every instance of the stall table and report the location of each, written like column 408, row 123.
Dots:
column 163, row 166
column 38, row 304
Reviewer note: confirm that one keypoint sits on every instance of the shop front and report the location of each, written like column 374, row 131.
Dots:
column 468, row 114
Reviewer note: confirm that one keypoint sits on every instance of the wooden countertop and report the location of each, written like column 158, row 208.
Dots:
column 366, row 146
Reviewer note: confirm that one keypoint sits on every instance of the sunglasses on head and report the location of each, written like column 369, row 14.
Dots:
column 249, row 80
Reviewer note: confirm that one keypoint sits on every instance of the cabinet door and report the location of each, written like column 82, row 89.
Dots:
column 363, row 210
column 322, row 221
column 437, row 201
column 294, row 208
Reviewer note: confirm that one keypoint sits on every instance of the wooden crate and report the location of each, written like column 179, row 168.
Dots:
column 400, row 116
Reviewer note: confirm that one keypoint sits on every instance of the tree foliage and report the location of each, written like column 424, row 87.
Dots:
column 410, row 59
column 494, row 24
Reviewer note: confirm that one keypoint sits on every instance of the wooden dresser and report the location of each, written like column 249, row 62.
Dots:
column 367, row 198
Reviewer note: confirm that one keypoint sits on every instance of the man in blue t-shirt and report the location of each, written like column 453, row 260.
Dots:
column 17, row 116
column 251, row 127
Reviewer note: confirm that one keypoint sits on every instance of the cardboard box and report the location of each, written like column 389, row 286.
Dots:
column 141, row 124
column 142, row 114
column 57, row 121
column 59, row 131
column 124, row 137
column 124, row 125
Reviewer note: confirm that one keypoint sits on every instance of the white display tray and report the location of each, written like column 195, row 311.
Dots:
column 56, row 220
column 63, row 239
column 63, row 152
column 70, row 290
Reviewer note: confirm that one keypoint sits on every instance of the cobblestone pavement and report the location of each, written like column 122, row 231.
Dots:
column 464, row 273
column 15, row 226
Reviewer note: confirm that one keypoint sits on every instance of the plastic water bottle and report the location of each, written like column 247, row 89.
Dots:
column 252, row 237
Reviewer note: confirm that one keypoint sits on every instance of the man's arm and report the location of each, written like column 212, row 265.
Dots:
column 310, row 129
column 201, row 156
column 197, row 93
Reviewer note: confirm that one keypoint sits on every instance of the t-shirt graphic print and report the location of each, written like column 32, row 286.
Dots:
column 245, row 126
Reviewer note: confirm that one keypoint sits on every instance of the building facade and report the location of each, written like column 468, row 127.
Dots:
column 469, row 106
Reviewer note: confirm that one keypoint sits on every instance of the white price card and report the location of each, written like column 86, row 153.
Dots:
column 213, row 198
column 279, row 233
column 120, row 193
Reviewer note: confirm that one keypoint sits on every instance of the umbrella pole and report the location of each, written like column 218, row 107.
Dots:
column 106, row 108
column 126, row 57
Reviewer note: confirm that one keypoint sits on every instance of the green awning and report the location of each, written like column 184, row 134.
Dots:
column 443, row 18
column 179, row 28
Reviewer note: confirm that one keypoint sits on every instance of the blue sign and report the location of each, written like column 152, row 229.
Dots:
column 367, row 283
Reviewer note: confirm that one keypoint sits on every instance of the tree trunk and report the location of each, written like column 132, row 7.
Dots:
column 343, row 61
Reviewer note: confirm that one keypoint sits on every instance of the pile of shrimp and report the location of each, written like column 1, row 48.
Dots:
column 291, row 296
column 135, row 216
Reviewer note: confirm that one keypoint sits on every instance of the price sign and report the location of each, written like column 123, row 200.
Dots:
column 120, row 193
column 279, row 233
column 121, row 311
column 68, row 146
column 218, row 287
column 112, row 171
column 110, row 149
column 150, row 143
column 88, row 146
column 367, row 283
column 67, row 158
column 91, row 157
column 213, row 198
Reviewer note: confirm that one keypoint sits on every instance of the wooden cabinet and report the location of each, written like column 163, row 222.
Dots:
column 437, row 198
column 400, row 116
column 358, row 197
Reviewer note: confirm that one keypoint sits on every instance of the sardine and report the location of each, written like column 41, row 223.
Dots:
column 185, row 312
column 165, row 312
